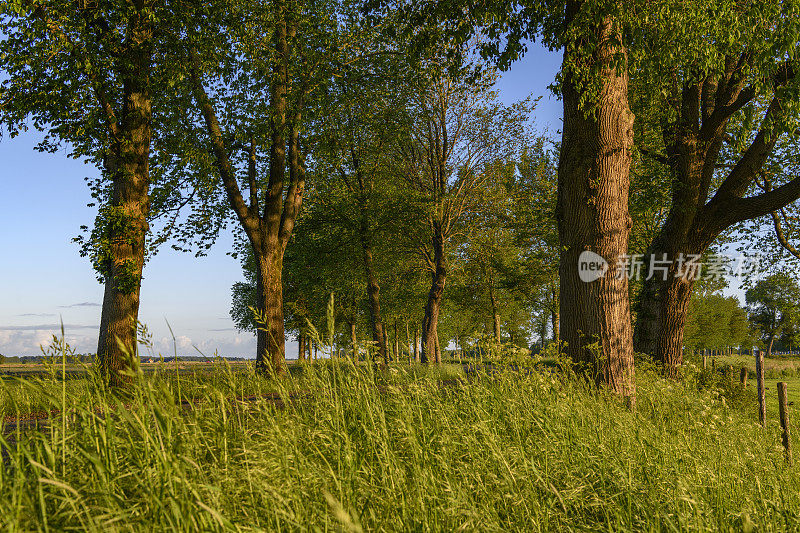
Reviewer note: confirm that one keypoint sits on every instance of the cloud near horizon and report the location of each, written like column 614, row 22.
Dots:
column 82, row 304
column 48, row 327
column 29, row 342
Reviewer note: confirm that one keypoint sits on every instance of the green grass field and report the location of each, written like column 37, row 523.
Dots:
column 395, row 450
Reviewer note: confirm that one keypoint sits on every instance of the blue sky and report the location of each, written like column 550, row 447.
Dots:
column 43, row 279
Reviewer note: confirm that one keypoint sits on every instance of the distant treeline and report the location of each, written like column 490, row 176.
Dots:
column 89, row 358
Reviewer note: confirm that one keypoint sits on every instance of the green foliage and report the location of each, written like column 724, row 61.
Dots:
column 774, row 306
column 714, row 321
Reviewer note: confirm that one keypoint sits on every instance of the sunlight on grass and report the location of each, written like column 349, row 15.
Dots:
column 396, row 450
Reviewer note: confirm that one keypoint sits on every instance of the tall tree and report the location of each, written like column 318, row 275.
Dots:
column 593, row 174
column 256, row 97
column 774, row 307
column 85, row 74
column 719, row 119
column 456, row 130
column 365, row 100
column 593, row 179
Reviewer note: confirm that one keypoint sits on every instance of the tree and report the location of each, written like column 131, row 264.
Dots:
column 257, row 96
column 719, row 119
column 774, row 305
column 504, row 268
column 715, row 321
column 456, row 130
column 351, row 208
column 593, row 183
column 533, row 222
column 85, row 74
column 366, row 102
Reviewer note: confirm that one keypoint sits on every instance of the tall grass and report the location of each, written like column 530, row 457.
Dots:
column 397, row 450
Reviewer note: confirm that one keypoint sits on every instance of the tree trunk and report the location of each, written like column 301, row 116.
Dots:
column 268, row 220
column 664, row 298
column 301, row 348
column 592, row 213
column 495, row 314
column 126, row 224
column 408, row 341
column 388, row 345
column 432, row 306
column 396, row 342
column 542, row 333
column 270, row 356
column 662, row 328
column 373, row 291
column 416, row 344
column 354, row 340
column 554, row 322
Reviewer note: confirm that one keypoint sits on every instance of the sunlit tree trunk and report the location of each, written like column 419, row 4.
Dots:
column 592, row 211
column 373, row 292
column 354, row 340
column 495, row 314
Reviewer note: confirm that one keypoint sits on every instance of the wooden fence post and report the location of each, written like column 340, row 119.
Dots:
column 783, row 410
column 743, row 377
column 762, row 401
column 705, row 359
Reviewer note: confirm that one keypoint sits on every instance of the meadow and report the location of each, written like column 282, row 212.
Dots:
column 363, row 448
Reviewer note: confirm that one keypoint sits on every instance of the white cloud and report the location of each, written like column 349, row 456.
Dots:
column 27, row 342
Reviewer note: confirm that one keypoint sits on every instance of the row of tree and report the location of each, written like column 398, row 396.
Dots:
column 679, row 127
column 770, row 320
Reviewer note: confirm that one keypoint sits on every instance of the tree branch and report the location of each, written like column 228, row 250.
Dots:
column 781, row 236
column 227, row 174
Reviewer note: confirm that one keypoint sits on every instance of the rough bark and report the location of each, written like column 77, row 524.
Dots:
column 269, row 303
column 662, row 308
column 127, row 228
column 432, row 306
column 592, row 213
column 554, row 322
